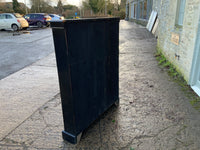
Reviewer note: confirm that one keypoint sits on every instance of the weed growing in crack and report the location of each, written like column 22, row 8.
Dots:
column 165, row 64
column 178, row 78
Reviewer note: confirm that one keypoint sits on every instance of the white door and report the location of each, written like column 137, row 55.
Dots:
column 196, row 85
column 2, row 21
column 196, row 82
column 198, row 79
column 132, row 10
column 195, row 72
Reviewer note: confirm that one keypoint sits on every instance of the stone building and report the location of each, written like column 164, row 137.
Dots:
column 178, row 35
column 139, row 10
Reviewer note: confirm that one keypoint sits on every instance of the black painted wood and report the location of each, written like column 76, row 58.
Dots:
column 87, row 55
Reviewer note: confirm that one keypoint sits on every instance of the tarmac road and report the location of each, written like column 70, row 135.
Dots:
column 21, row 49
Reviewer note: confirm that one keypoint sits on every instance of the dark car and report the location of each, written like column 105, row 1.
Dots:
column 38, row 19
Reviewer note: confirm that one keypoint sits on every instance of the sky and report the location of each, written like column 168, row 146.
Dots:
column 73, row 2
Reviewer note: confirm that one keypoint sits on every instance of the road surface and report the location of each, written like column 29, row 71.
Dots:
column 20, row 50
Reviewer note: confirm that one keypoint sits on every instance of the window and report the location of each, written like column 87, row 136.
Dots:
column 135, row 8
column 17, row 15
column 132, row 10
column 52, row 16
column 2, row 16
column 141, row 10
column 180, row 12
column 149, row 8
column 33, row 16
column 27, row 16
column 145, row 10
column 8, row 17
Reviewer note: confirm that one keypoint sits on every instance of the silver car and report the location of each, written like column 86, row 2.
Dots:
column 56, row 17
column 12, row 21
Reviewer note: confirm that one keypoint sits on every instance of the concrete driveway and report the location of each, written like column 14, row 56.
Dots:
column 154, row 113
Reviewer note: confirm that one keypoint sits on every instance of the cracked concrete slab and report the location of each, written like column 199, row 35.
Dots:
column 24, row 92
column 154, row 113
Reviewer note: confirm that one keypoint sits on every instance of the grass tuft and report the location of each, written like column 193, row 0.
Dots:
column 178, row 78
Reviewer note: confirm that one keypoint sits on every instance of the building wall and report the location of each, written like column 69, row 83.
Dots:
column 139, row 10
column 180, row 55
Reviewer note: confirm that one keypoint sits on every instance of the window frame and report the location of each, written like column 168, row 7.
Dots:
column 180, row 11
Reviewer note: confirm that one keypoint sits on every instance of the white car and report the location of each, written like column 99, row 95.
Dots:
column 12, row 21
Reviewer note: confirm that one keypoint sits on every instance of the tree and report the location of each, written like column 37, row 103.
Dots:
column 36, row 5
column 69, row 10
column 16, row 6
column 70, row 7
column 41, row 6
column 60, row 7
column 110, row 7
column 96, row 5
column 6, row 7
column 123, row 5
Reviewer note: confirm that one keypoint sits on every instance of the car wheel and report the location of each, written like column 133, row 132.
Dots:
column 15, row 27
column 39, row 24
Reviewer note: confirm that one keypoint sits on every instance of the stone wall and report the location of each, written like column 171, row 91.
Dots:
column 180, row 55
column 142, row 10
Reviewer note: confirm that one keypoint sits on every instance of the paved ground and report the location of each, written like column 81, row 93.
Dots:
column 22, row 93
column 21, row 50
column 154, row 113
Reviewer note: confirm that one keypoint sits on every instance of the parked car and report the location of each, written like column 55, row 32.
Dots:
column 12, row 21
column 38, row 19
column 56, row 17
